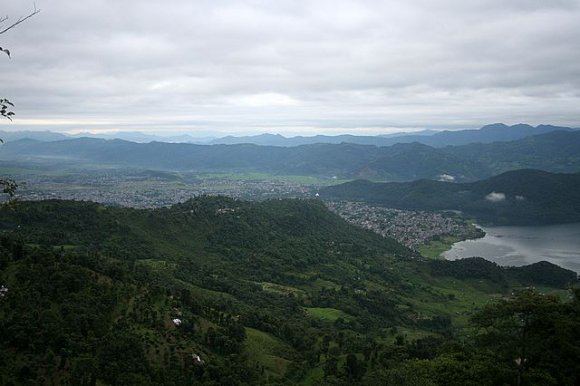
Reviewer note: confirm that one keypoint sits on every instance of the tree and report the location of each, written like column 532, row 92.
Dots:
column 533, row 335
column 9, row 186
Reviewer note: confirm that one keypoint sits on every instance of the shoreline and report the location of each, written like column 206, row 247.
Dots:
column 435, row 248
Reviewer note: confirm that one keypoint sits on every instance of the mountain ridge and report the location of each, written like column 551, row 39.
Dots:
column 485, row 134
column 557, row 151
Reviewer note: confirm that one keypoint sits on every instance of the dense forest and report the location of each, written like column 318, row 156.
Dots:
column 217, row 291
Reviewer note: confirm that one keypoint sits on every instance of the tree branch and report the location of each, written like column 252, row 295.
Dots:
column 20, row 20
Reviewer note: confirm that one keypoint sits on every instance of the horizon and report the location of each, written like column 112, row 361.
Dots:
column 216, row 135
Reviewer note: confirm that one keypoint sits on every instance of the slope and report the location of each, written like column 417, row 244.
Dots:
column 214, row 291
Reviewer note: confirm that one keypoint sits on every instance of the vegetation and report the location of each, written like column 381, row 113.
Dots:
column 438, row 245
column 517, row 197
column 218, row 291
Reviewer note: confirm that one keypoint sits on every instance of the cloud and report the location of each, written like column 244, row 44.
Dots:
column 495, row 197
column 446, row 178
column 238, row 65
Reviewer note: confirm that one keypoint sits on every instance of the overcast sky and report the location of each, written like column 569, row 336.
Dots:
column 292, row 67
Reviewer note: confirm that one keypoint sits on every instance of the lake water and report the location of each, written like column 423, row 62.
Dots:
column 511, row 245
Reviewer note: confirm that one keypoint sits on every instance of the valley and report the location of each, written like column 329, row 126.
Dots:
column 281, row 193
column 253, row 275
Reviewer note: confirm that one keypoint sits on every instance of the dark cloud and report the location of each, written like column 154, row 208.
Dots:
column 292, row 66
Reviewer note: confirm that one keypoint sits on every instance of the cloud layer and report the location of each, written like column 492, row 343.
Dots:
column 292, row 66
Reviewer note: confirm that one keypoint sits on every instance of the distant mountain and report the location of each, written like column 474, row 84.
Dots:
column 8, row 136
column 280, row 140
column 401, row 134
column 497, row 132
column 487, row 134
column 133, row 136
column 516, row 197
column 557, row 151
column 137, row 136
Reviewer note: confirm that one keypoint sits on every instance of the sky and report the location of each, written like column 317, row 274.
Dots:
column 291, row 67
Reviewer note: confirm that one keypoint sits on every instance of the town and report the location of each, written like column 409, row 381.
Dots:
column 148, row 189
column 410, row 228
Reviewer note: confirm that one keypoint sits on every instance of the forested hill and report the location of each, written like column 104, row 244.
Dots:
column 217, row 291
column 555, row 151
column 517, row 197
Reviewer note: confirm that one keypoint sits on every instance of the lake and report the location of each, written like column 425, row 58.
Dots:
column 522, row 245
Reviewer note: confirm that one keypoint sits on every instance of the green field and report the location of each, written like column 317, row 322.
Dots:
column 330, row 314
column 267, row 351
column 435, row 248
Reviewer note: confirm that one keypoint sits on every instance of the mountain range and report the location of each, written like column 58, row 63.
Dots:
column 556, row 151
column 486, row 134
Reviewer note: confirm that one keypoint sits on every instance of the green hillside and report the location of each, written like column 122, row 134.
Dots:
column 517, row 197
column 217, row 291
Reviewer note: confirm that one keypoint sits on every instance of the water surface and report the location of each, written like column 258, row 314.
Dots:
column 522, row 245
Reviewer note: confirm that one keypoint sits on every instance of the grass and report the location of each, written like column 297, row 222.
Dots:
column 281, row 289
column 329, row 314
column 267, row 351
column 314, row 377
column 435, row 248
column 158, row 265
column 319, row 284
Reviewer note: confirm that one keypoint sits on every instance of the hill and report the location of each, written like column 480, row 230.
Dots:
column 517, row 197
column 557, row 151
column 219, row 291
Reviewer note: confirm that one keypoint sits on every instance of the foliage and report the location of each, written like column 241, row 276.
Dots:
column 541, row 273
column 533, row 335
column 277, row 292
column 5, row 108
